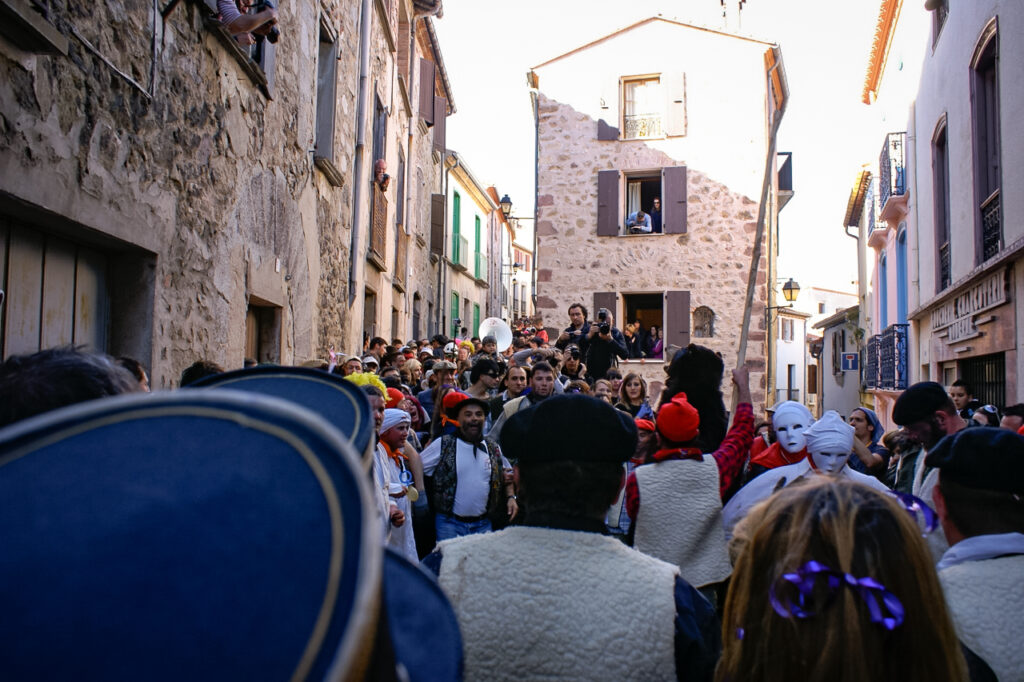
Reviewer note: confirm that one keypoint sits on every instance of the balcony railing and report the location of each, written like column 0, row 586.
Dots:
column 642, row 125
column 945, row 273
column 460, row 259
column 885, row 366
column 991, row 226
column 783, row 394
column 480, row 266
column 378, row 226
column 892, row 179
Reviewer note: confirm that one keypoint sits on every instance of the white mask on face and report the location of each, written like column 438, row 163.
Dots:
column 830, row 463
column 789, row 430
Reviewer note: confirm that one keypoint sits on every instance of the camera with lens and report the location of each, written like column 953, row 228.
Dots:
column 574, row 352
column 602, row 317
column 274, row 34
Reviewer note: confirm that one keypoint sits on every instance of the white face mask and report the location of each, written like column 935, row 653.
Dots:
column 830, row 462
column 789, row 430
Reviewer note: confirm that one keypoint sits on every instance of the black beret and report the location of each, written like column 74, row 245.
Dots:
column 919, row 402
column 569, row 427
column 982, row 457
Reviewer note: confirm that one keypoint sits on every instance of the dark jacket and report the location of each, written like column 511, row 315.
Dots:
column 603, row 355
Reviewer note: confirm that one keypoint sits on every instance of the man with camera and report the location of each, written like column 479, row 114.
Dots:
column 572, row 365
column 577, row 331
column 605, row 345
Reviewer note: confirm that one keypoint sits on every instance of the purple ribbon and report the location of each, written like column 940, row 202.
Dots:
column 919, row 509
column 872, row 592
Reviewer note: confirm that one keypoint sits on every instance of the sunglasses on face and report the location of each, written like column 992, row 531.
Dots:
column 612, row 377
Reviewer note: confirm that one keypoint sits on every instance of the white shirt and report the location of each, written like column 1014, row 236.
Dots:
column 474, row 474
column 982, row 547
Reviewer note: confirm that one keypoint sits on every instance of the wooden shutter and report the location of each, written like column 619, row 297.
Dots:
column 269, row 69
column 673, row 199
column 677, row 319
column 606, row 132
column 427, row 91
column 440, row 114
column 608, row 203
column 604, row 299
column 674, row 86
column 437, row 223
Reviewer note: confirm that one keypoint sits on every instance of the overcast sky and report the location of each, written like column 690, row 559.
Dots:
column 489, row 46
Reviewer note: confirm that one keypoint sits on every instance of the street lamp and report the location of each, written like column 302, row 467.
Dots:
column 506, row 206
column 790, row 290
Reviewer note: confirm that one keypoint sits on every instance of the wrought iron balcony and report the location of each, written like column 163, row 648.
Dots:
column 885, row 366
column 991, row 226
column 945, row 271
column 639, row 126
column 892, row 179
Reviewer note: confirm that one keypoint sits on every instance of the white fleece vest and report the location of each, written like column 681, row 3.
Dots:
column 680, row 518
column 546, row 604
column 986, row 601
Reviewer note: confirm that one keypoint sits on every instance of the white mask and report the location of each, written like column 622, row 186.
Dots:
column 830, row 463
column 789, row 431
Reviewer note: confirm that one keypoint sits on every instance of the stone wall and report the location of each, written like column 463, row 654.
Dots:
column 711, row 260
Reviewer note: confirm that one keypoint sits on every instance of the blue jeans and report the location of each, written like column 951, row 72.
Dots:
column 449, row 527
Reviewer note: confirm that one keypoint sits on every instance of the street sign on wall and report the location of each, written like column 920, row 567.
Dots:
column 851, row 362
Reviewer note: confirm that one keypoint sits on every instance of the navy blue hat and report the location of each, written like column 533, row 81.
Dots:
column 919, row 402
column 340, row 402
column 569, row 427
column 983, row 457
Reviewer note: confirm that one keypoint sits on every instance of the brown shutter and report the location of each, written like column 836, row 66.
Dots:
column 673, row 200
column 437, row 223
column 269, row 69
column 440, row 115
column 606, row 132
column 604, row 299
column 677, row 319
column 608, row 203
column 427, row 91
column 674, row 86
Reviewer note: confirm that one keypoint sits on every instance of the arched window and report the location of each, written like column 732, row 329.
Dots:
column 883, row 293
column 901, row 274
column 703, row 322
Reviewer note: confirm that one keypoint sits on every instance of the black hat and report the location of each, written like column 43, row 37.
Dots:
column 569, row 427
column 919, row 402
column 983, row 457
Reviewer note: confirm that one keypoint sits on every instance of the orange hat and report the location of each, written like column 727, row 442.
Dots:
column 678, row 420
column 394, row 397
column 645, row 425
column 451, row 399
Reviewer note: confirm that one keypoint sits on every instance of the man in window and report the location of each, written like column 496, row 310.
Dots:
column 655, row 216
column 639, row 223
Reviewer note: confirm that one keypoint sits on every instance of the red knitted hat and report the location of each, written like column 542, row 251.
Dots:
column 678, row 420
column 644, row 425
column 394, row 397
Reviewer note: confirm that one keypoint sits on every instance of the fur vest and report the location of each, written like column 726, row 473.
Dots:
column 680, row 518
column 446, row 477
column 573, row 606
column 986, row 601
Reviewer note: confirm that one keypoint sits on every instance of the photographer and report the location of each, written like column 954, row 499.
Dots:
column 572, row 365
column 577, row 331
column 605, row 345
column 240, row 23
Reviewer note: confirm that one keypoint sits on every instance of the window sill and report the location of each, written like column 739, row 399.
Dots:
column 329, row 170
column 376, row 260
column 644, row 234
column 251, row 68
column 27, row 29
column 399, row 285
column 642, row 361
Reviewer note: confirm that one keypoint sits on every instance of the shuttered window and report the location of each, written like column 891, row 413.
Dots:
column 608, row 203
column 427, row 91
column 673, row 200
column 437, row 223
column 677, row 319
column 440, row 114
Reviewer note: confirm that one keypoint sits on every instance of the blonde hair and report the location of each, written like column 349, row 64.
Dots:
column 853, row 529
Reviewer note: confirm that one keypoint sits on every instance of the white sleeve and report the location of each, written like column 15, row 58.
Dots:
column 431, row 455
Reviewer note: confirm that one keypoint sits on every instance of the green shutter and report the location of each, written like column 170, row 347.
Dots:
column 456, row 224
column 455, row 311
column 476, row 320
column 476, row 260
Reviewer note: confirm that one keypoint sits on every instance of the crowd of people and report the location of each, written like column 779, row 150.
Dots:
column 585, row 529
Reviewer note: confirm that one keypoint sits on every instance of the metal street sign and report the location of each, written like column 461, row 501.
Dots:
column 851, row 362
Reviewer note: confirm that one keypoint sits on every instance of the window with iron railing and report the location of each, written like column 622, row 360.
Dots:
column 892, row 175
column 643, row 103
column 987, row 162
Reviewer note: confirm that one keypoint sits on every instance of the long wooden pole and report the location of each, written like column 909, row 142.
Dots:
column 755, row 257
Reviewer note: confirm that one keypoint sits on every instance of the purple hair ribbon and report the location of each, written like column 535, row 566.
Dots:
column 872, row 592
column 919, row 509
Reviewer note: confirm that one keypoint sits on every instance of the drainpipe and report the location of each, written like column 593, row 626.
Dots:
column 358, row 171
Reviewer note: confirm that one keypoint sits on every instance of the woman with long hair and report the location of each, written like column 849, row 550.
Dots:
column 632, row 394
column 834, row 583
column 603, row 390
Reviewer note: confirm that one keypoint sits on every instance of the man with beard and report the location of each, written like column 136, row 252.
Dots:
column 927, row 414
column 468, row 471
column 542, row 385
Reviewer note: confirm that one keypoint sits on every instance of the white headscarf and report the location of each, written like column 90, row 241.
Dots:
column 829, row 434
column 394, row 417
column 793, row 408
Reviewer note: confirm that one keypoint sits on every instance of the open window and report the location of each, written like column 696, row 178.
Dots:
column 669, row 311
column 640, row 190
column 326, row 99
column 642, row 106
column 262, row 331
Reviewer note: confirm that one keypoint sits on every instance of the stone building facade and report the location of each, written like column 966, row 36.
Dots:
column 168, row 195
column 619, row 126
